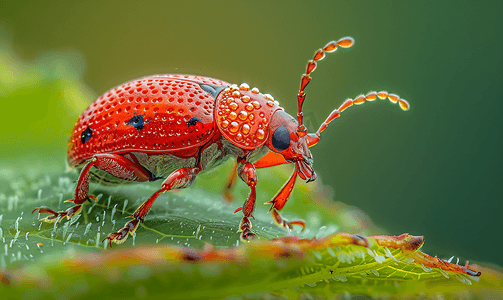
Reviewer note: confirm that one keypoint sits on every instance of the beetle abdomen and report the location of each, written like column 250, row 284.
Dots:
column 155, row 114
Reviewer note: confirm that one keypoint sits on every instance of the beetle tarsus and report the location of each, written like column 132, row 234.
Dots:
column 245, row 229
column 278, row 219
column 121, row 236
column 56, row 216
column 247, row 236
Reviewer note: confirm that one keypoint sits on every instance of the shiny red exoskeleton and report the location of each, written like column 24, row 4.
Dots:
column 175, row 126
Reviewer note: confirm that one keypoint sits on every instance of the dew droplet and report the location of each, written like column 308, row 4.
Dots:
column 88, row 227
column 234, row 126
column 269, row 97
column 233, row 106
column 426, row 269
column 113, row 211
column 124, row 207
column 245, row 129
column 233, row 116
column 245, row 99
column 69, row 237
column 260, row 134
column 242, row 115
column 249, row 107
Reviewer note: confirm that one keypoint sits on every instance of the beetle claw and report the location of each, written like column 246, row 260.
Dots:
column 44, row 209
column 246, row 232
column 247, row 236
column 296, row 222
column 121, row 236
column 56, row 216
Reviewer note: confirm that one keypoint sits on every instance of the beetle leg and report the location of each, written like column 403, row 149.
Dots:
column 284, row 223
column 279, row 201
column 116, row 165
column 231, row 181
column 246, row 172
column 179, row 179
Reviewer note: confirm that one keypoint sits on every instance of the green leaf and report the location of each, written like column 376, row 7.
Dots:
column 190, row 240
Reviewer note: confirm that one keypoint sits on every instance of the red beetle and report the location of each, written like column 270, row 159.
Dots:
column 176, row 126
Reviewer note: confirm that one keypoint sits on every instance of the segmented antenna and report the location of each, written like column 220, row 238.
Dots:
column 360, row 99
column 345, row 42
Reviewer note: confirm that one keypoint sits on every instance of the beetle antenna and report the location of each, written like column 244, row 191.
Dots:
column 313, row 138
column 345, row 42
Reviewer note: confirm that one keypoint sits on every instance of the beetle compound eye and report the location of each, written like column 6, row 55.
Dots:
column 86, row 135
column 281, row 138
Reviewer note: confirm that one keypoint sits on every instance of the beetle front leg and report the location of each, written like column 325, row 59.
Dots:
column 116, row 165
column 246, row 172
column 179, row 179
column 279, row 201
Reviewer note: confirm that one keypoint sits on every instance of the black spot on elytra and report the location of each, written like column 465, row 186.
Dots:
column 212, row 89
column 193, row 121
column 86, row 135
column 137, row 122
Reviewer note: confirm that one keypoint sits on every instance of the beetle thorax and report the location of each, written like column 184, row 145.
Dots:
column 243, row 116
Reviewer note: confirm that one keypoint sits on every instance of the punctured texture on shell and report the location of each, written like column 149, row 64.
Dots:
column 154, row 114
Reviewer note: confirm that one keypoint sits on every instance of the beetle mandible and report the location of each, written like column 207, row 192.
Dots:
column 175, row 126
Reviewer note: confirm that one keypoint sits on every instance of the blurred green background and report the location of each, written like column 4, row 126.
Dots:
column 434, row 170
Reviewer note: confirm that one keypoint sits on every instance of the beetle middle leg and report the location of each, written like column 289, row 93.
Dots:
column 114, row 164
column 179, row 179
column 246, row 172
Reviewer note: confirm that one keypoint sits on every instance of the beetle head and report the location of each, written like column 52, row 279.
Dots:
column 284, row 139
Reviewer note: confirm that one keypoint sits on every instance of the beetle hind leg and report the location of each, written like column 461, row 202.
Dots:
column 116, row 165
column 179, row 179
